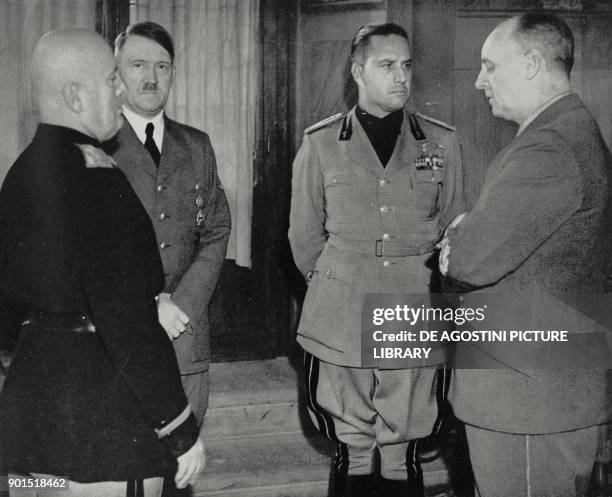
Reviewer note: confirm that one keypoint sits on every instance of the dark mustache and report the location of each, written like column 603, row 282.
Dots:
column 150, row 87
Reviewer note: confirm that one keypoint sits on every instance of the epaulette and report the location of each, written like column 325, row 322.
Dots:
column 324, row 122
column 442, row 124
column 94, row 157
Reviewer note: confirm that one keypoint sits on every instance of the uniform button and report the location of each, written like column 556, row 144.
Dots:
column 387, row 263
column 383, row 208
column 382, row 182
column 159, row 188
column 197, row 187
column 386, row 237
column 162, row 216
column 328, row 273
column 163, row 245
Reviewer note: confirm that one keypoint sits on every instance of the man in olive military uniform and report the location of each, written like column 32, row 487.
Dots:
column 372, row 191
column 173, row 171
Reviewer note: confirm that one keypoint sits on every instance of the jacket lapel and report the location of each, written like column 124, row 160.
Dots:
column 359, row 149
column 361, row 152
column 131, row 152
column 173, row 152
column 566, row 104
column 406, row 148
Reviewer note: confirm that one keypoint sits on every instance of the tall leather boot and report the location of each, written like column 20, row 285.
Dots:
column 399, row 488
column 337, row 487
column 337, row 484
column 360, row 486
column 413, row 485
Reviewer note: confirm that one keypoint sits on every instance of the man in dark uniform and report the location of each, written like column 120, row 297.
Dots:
column 372, row 190
column 93, row 393
column 173, row 171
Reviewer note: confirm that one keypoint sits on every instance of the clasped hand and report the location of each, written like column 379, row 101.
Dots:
column 170, row 316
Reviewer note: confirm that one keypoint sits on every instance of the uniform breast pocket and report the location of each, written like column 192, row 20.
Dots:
column 341, row 193
column 427, row 185
column 337, row 179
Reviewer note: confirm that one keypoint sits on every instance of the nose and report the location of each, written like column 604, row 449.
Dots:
column 120, row 88
column 151, row 74
column 401, row 74
column 480, row 80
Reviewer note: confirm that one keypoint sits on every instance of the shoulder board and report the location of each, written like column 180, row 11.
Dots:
column 442, row 124
column 95, row 157
column 324, row 122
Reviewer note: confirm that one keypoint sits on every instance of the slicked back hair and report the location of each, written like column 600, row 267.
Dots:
column 150, row 30
column 361, row 40
column 550, row 35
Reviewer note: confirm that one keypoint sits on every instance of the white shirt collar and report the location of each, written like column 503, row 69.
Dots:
column 539, row 110
column 139, row 124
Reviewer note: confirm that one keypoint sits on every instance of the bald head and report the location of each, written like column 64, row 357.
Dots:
column 74, row 83
column 525, row 62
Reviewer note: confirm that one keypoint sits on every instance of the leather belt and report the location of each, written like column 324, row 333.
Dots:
column 78, row 323
column 380, row 248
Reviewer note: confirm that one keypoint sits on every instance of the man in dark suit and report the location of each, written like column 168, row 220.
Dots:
column 537, row 234
column 173, row 171
column 93, row 394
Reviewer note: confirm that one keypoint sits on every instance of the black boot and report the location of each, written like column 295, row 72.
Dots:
column 352, row 486
column 398, row 488
column 337, row 487
column 337, row 484
column 360, row 486
column 413, row 486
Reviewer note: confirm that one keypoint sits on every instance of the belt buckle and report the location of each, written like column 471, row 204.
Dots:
column 378, row 249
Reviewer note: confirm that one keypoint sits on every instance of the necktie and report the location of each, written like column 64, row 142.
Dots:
column 150, row 143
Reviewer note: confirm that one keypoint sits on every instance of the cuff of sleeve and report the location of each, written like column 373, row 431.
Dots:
column 181, row 418
column 179, row 436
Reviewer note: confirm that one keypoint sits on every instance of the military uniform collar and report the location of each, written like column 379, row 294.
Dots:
column 139, row 123
column 391, row 123
column 541, row 108
column 564, row 103
column 62, row 135
column 360, row 150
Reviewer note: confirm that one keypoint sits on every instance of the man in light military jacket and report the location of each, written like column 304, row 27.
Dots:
column 372, row 191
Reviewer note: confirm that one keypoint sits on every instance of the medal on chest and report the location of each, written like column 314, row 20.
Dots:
column 199, row 201
column 431, row 157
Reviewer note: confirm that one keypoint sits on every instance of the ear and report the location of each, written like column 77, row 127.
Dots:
column 172, row 75
column 357, row 72
column 534, row 63
column 72, row 99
